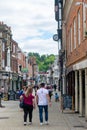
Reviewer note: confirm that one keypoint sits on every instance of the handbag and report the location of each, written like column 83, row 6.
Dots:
column 21, row 104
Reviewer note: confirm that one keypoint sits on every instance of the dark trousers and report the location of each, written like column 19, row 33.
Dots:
column 28, row 110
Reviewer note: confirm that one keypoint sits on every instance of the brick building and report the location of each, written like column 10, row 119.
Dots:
column 33, row 70
column 75, row 41
column 5, row 55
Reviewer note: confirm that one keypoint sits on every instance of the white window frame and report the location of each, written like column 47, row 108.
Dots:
column 79, row 30
column 84, row 18
column 74, row 33
column 14, row 48
column 3, row 46
column 69, row 42
column 3, row 63
column 71, row 39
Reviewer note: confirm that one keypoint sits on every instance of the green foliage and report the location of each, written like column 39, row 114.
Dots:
column 43, row 61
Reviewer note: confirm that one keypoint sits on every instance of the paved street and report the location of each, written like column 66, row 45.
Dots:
column 11, row 118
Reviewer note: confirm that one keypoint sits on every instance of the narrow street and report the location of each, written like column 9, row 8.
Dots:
column 11, row 118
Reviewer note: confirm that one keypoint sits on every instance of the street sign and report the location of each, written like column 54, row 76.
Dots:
column 55, row 37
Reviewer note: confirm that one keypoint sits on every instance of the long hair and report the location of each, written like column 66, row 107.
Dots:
column 28, row 91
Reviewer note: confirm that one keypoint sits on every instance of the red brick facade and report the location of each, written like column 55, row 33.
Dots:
column 80, row 52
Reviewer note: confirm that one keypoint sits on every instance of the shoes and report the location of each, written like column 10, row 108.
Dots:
column 46, row 123
column 30, row 123
column 25, row 123
column 41, row 123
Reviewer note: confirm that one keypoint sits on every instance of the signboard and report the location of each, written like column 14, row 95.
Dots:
column 67, row 101
column 55, row 37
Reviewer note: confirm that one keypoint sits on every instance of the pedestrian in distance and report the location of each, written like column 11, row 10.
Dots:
column 29, row 104
column 55, row 86
column 56, row 97
column 35, row 88
column 22, row 91
column 1, row 95
column 43, row 99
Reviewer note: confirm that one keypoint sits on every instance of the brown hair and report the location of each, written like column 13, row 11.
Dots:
column 28, row 91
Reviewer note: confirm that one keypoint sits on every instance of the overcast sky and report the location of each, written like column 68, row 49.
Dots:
column 32, row 23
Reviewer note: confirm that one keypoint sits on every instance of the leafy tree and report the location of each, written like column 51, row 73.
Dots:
column 43, row 61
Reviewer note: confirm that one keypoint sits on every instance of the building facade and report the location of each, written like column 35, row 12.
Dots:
column 5, row 56
column 33, row 70
column 75, row 40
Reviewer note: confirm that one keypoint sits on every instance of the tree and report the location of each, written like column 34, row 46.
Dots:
column 43, row 61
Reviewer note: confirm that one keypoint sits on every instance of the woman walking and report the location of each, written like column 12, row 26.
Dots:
column 29, row 104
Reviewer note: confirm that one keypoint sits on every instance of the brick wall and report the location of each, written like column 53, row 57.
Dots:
column 80, row 52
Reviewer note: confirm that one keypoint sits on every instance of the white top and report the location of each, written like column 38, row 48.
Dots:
column 42, row 96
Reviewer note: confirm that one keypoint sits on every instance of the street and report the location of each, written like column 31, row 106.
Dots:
column 11, row 118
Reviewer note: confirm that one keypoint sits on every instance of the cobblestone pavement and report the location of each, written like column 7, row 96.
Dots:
column 11, row 118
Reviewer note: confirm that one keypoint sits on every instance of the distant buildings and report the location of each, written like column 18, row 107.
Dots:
column 15, row 70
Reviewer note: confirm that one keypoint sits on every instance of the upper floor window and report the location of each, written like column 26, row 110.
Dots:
column 19, row 55
column 69, row 42
column 68, row 47
column 3, row 46
column 14, row 49
column 79, row 30
column 74, row 33
column 84, row 18
column 71, row 39
column 3, row 63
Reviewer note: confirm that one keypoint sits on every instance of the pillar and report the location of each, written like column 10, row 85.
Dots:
column 86, row 94
column 76, row 94
column 64, row 85
column 80, row 92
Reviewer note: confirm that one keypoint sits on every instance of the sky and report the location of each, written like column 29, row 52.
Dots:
column 32, row 24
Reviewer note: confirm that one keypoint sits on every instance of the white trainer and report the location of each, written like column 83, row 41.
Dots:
column 41, row 124
column 46, row 123
column 30, row 123
column 25, row 123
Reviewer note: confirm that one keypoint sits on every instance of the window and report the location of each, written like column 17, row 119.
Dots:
column 3, row 63
column 68, row 47
column 84, row 18
column 14, row 50
column 79, row 31
column 71, row 39
column 3, row 46
column 69, row 42
column 19, row 55
column 74, row 33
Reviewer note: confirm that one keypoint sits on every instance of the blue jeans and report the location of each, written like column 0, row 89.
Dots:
column 41, row 108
